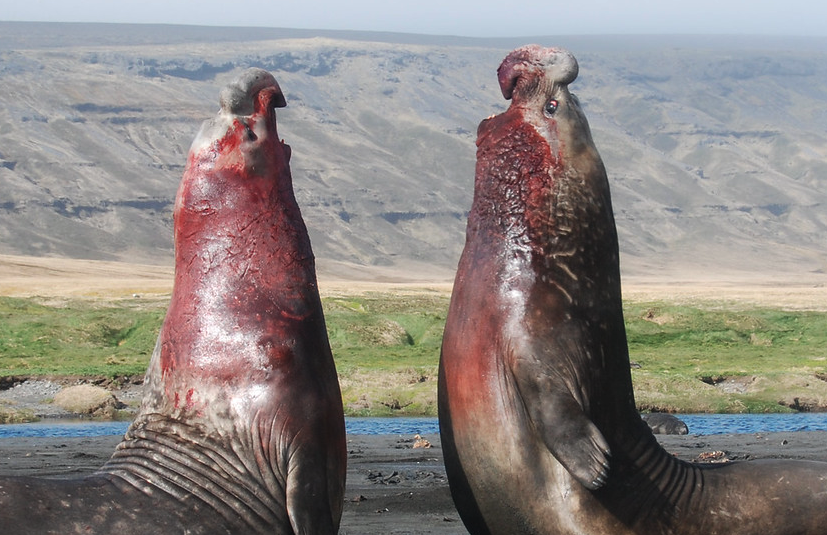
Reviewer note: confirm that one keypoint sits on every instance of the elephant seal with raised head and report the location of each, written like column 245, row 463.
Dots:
column 534, row 355
column 241, row 428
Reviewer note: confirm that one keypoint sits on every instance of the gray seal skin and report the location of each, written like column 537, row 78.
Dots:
column 539, row 427
column 241, row 430
column 665, row 424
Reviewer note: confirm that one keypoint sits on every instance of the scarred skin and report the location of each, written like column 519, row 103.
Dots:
column 241, row 429
column 538, row 421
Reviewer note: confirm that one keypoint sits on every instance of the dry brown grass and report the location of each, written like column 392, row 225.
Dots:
column 22, row 276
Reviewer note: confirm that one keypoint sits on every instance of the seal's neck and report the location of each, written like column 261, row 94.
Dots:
column 201, row 465
column 243, row 229
column 244, row 274
column 545, row 205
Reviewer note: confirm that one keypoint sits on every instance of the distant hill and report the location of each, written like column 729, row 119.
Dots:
column 716, row 147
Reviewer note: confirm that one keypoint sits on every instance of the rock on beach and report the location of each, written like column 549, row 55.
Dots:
column 46, row 399
column 88, row 400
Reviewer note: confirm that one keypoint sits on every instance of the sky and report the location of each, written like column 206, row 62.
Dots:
column 469, row 18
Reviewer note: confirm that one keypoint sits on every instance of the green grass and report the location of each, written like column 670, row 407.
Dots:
column 683, row 351
column 387, row 350
column 699, row 358
column 76, row 338
column 708, row 342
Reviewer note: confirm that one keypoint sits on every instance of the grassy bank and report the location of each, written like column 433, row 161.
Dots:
column 687, row 358
column 709, row 359
column 79, row 337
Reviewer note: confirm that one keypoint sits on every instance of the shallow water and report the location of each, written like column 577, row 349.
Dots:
column 85, row 428
column 721, row 424
column 699, row 424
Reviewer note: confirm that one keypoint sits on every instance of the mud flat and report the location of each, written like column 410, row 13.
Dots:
column 392, row 487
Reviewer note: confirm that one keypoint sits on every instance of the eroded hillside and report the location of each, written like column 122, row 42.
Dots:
column 717, row 152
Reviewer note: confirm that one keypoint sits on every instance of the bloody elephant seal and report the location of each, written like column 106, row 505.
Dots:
column 241, row 428
column 534, row 355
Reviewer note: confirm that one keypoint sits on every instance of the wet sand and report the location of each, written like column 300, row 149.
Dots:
column 393, row 488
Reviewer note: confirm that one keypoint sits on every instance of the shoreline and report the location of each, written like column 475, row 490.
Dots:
column 392, row 487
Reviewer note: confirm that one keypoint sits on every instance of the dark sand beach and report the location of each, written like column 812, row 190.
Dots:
column 392, row 487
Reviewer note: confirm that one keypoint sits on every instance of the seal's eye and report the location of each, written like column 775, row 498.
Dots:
column 251, row 136
column 551, row 107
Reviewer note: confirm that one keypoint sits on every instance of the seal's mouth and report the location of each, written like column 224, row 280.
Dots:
column 256, row 94
column 239, row 97
column 246, row 119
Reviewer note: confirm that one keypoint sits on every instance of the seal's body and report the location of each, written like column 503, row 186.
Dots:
column 241, row 429
column 537, row 414
column 665, row 424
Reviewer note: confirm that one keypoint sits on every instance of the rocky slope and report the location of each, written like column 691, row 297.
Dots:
column 716, row 148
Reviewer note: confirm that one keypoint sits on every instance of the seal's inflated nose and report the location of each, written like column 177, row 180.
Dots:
column 526, row 67
column 237, row 98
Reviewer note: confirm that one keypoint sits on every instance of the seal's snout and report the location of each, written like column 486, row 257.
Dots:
column 244, row 133
column 526, row 66
column 238, row 98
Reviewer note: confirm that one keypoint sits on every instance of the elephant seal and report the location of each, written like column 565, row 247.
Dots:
column 665, row 424
column 241, row 429
column 535, row 360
